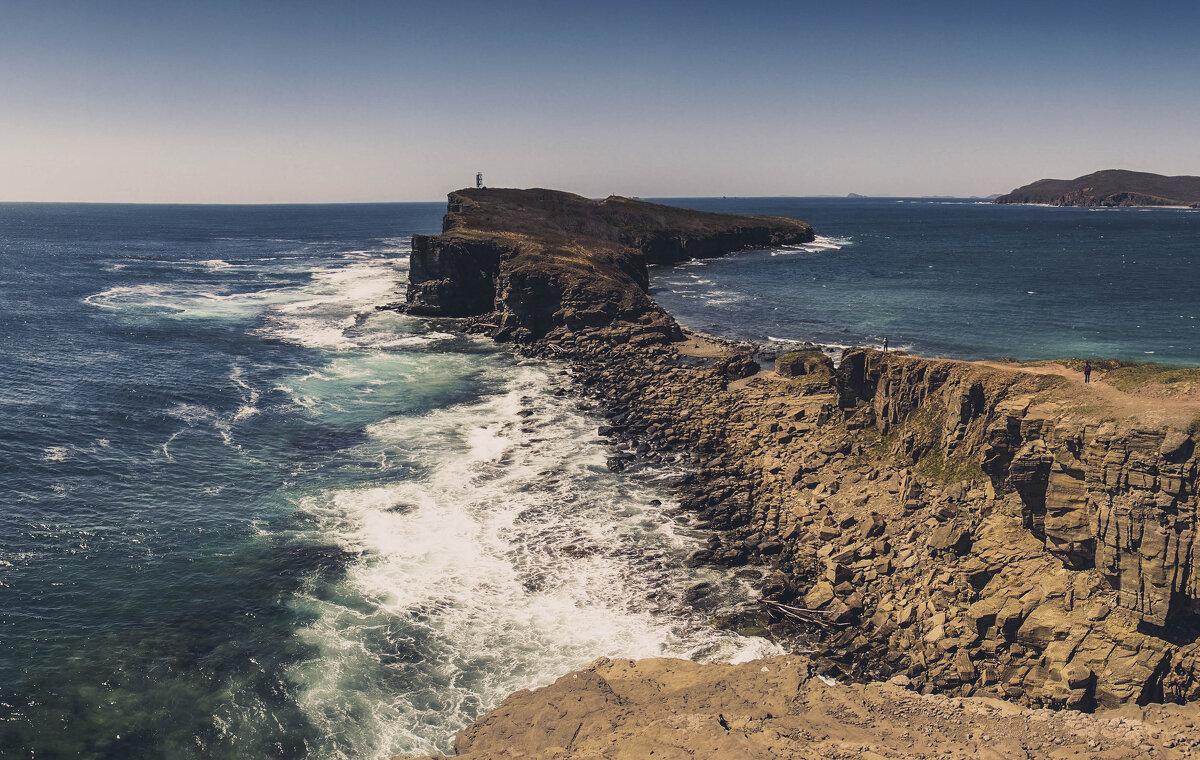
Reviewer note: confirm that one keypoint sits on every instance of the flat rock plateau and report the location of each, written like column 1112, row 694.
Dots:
column 972, row 556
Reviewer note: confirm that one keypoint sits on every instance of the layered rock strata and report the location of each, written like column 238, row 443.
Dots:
column 967, row 528
column 948, row 522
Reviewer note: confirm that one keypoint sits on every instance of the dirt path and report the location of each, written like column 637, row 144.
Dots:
column 1175, row 406
column 1154, row 405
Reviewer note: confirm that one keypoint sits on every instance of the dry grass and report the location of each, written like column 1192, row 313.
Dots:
column 1135, row 377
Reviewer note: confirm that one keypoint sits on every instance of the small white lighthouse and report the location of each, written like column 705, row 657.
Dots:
column 479, row 180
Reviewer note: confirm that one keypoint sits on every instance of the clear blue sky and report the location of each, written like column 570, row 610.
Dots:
column 376, row 101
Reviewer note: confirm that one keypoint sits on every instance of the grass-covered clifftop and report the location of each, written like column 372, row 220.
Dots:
column 544, row 259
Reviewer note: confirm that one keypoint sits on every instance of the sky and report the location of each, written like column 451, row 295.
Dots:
column 295, row 101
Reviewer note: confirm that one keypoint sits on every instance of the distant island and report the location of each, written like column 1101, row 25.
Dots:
column 1111, row 187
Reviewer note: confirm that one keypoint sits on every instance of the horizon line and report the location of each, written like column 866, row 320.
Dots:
column 824, row 196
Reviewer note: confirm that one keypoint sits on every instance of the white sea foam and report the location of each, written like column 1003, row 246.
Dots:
column 334, row 304
column 249, row 394
column 381, row 339
column 722, row 297
column 63, row 453
column 186, row 300
column 166, row 446
column 820, row 244
column 330, row 311
column 511, row 557
column 514, row 558
column 223, row 423
column 55, row 453
column 195, row 415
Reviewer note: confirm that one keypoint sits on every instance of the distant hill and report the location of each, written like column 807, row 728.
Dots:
column 1111, row 187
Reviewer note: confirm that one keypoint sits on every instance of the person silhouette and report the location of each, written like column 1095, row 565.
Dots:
column 1087, row 372
column 885, row 345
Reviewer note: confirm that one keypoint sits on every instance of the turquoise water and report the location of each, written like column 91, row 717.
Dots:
column 249, row 515
column 957, row 278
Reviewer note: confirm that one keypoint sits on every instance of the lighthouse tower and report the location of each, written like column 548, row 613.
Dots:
column 479, row 180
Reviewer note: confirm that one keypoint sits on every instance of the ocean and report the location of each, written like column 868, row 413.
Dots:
column 248, row 514
column 956, row 277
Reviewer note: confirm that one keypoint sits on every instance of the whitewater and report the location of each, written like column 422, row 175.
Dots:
column 254, row 515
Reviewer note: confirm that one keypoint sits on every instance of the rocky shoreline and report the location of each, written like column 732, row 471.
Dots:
column 921, row 511
column 964, row 530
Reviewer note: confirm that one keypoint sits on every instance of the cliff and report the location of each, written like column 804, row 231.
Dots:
column 1111, row 187
column 995, row 530
column 536, row 260
column 967, row 529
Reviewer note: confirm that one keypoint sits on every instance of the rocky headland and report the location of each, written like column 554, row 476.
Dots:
column 539, row 261
column 1110, row 187
column 965, row 530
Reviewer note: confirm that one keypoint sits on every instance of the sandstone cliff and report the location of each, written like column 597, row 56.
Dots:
column 1111, row 187
column 976, row 529
column 533, row 260
column 969, row 529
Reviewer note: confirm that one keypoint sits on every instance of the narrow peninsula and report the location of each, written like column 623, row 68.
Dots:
column 541, row 261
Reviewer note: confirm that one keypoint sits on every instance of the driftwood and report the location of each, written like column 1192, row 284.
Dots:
column 799, row 614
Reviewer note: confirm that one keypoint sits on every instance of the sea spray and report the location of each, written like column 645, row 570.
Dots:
column 508, row 556
column 250, row 515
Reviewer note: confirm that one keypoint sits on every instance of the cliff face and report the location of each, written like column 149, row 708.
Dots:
column 453, row 278
column 536, row 260
column 1100, row 580
column 974, row 529
column 1111, row 187
column 1097, row 494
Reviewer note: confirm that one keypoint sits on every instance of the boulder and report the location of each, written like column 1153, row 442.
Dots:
column 800, row 363
column 820, row 595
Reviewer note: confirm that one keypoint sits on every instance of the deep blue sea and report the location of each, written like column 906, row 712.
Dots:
column 957, row 278
column 246, row 514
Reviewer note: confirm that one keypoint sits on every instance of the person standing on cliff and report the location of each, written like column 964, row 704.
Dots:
column 885, row 345
column 1087, row 372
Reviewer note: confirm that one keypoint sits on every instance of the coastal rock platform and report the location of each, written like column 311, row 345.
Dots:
column 779, row 708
